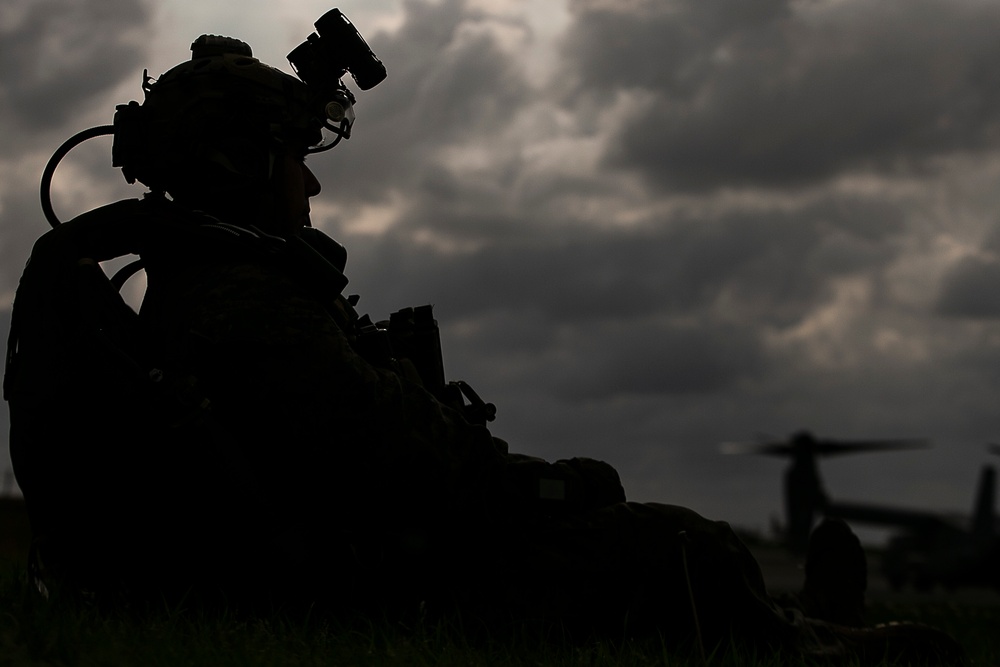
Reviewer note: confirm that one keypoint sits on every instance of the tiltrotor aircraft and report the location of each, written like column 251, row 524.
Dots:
column 928, row 548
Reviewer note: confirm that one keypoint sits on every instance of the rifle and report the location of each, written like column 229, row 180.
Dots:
column 413, row 334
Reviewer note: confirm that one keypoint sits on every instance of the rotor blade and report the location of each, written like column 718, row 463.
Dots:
column 807, row 444
column 838, row 448
column 766, row 448
column 993, row 448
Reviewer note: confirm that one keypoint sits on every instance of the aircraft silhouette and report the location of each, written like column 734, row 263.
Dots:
column 929, row 548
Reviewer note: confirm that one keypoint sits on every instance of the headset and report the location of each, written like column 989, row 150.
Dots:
column 224, row 93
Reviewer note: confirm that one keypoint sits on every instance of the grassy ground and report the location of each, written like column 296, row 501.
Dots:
column 975, row 626
column 34, row 631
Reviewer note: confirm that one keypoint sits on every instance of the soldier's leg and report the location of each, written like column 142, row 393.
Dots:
column 637, row 568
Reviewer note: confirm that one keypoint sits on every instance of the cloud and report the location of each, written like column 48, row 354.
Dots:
column 969, row 289
column 19, row 213
column 453, row 81
column 660, row 360
column 792, row 94
column 768, row 266
column 59, row 57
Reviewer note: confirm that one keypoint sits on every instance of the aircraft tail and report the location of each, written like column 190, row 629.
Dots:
column 983, row 516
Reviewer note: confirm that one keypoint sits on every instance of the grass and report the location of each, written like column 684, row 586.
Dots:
column 36, row 631
column 975, row 626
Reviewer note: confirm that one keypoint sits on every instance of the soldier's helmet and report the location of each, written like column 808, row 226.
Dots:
column 216, row 120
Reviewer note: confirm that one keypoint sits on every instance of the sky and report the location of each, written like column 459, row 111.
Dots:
column 646, row 226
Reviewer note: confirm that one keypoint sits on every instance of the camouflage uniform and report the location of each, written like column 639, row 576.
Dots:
column 382, row 495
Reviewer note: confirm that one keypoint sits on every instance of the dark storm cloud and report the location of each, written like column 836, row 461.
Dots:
column 450, row 83
column 772, row 259
column 677, row 303
column 661, row 46
column 647, row 359
column 22, row 222
column 58, row 57
column 782, row 98
column 971, row 289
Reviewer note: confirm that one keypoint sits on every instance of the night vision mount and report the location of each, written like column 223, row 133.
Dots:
column 317, row 101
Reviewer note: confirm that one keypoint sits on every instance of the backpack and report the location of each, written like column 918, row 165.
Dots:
column 128, row 483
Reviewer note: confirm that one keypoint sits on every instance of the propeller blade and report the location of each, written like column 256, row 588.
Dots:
column 804, row 442
column 766, row 448
column 838, row 448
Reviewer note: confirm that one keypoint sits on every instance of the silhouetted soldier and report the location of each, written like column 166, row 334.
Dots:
column 318, row 467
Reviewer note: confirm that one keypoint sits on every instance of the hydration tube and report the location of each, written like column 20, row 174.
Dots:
column 127, row 271
column 50, row 168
